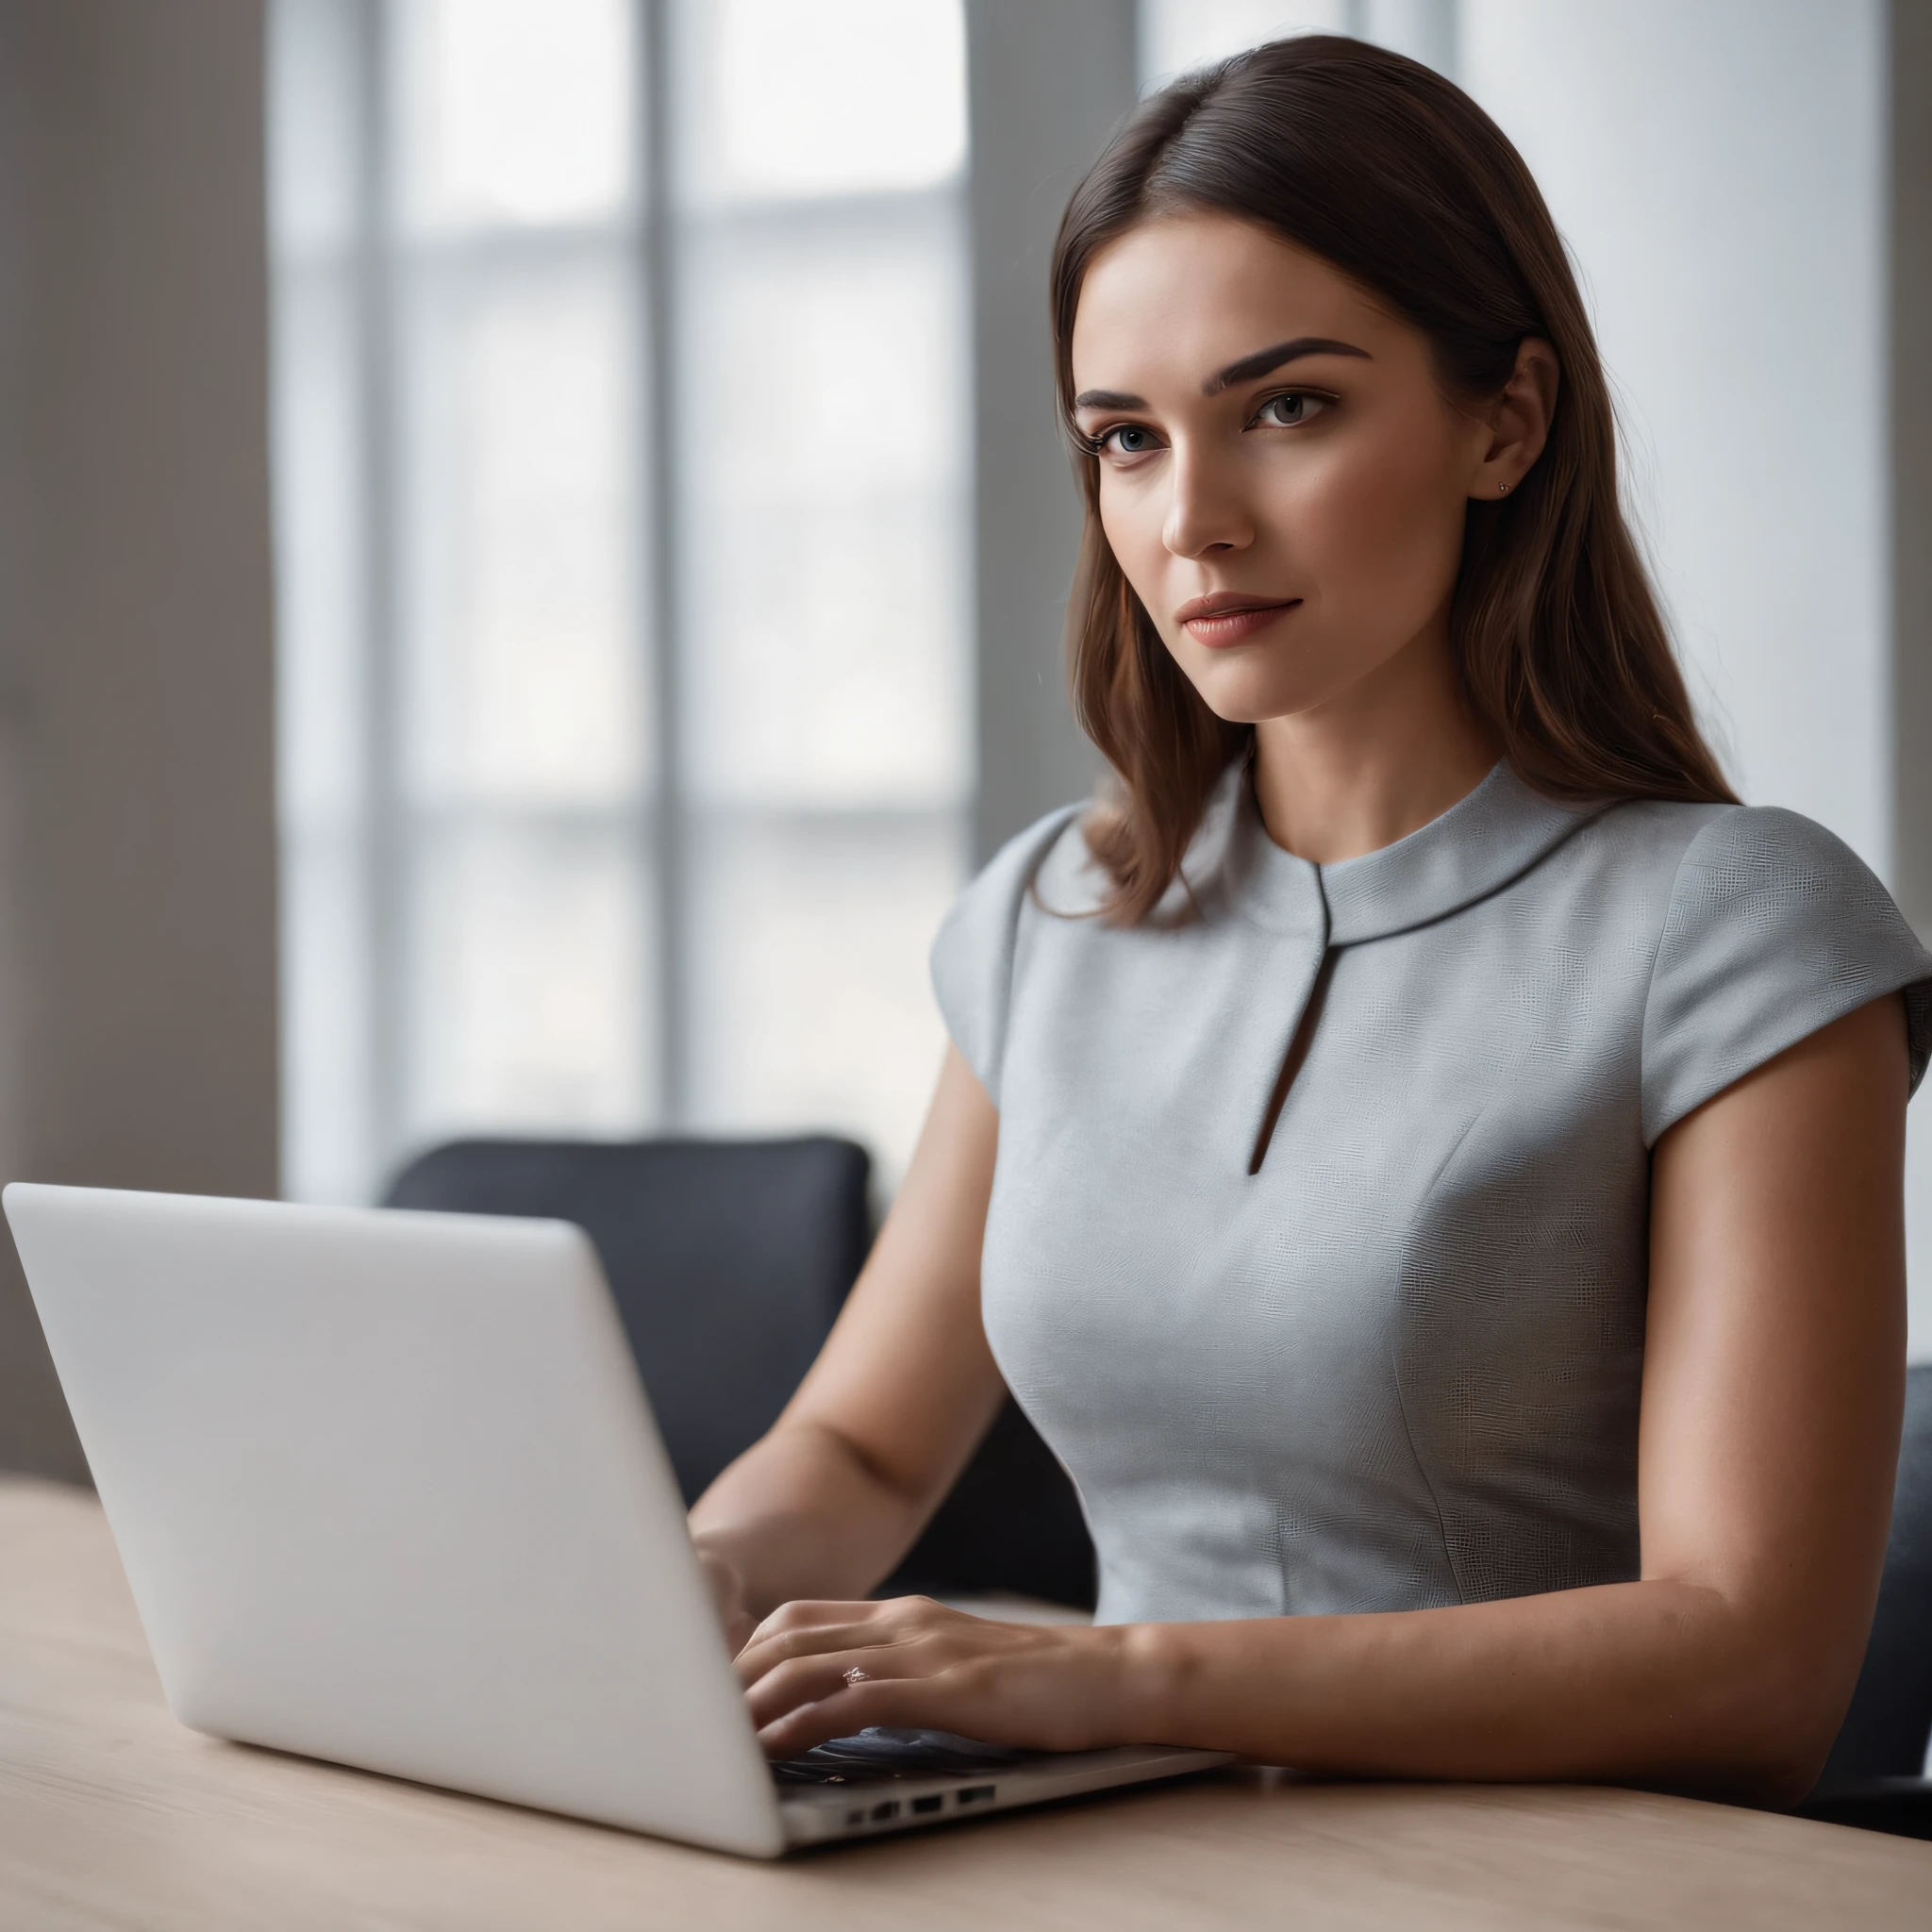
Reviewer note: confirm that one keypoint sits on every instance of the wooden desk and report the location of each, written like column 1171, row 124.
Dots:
column 113, row 1815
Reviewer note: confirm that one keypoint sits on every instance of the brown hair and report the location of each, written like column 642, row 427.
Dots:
column 1399, row 179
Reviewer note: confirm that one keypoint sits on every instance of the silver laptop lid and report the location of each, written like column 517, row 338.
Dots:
column 388, row 1492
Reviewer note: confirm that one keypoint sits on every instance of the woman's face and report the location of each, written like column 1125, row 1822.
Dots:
column 1281, row 478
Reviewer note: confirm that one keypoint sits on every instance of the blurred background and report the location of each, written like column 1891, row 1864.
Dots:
column 533, row 545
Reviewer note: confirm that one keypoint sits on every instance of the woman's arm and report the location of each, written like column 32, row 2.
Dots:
column 835, row 1494
column 1772, row 1396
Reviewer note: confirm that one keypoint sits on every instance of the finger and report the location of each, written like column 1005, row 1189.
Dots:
column 807, row 1613
column 809, row 1629
column 782, row 1630
column 810, row 1613
column 766, row 1650
column 813, row 1679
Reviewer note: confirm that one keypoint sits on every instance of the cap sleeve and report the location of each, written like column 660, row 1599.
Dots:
column 973, row 955
column 1775, row 929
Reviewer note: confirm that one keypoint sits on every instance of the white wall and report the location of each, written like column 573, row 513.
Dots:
column 1719, row 169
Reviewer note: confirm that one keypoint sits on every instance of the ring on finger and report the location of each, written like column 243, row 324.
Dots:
column 855, row 1675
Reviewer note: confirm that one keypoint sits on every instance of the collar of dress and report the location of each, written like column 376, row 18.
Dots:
column 1476, row 848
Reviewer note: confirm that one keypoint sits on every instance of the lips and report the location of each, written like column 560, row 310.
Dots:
column 1230, row 617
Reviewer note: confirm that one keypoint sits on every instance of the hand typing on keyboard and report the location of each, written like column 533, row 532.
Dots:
column 814, row 1671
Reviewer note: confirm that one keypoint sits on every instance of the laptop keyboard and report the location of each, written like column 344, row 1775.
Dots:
column 883, row 1753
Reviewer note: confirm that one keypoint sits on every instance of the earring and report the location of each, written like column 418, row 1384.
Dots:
column 1504, row 488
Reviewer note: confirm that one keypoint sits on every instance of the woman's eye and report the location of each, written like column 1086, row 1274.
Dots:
column 1128, row 439
column 1287, row 413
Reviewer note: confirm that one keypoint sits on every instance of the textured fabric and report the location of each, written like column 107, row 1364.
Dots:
column 1398, row 1365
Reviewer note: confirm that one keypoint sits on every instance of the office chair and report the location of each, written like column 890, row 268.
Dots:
column 1874, row 1776
column 728, row 1261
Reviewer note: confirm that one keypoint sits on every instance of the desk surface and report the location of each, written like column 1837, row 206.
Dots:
column 113, row 1815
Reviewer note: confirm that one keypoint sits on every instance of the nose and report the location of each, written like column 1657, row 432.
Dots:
column 1206, row 512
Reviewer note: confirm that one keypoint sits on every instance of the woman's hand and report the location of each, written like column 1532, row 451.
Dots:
column 814, row 1671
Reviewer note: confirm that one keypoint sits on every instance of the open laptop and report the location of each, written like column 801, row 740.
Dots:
column 388, row 1492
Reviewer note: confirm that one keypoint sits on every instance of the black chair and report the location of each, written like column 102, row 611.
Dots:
column 1874, row 1776
column 728, row 1261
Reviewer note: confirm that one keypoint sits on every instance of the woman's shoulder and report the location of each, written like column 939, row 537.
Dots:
column 1697, row 864
column 1724, row 871
column 1048, row 862
column 1047, row 865
column 1767, row 927
column 1701, row 834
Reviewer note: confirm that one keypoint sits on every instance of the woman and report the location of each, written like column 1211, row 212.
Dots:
column 1428, row 1161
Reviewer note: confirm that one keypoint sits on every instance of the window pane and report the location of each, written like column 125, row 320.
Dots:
column 829, row 97
column 812, row 1006
column 530, row 980
column 477, row 619
column 314, row 126
column 513, row 111
column 521, row 647
column 320, row 663
column 826, row 594
column 327, row 1127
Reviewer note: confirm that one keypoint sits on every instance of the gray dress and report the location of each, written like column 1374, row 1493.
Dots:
column 1396, row 1365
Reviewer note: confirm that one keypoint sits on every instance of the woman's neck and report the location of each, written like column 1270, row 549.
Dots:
column 1396, row 750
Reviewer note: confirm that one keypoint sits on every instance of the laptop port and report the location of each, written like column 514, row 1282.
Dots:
column 854, row 1818
column 889, row 1809
column 974, row 1794
column 931, row 1803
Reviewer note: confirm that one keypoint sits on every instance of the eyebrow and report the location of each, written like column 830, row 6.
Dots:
column 1265, row 361
column 1249, row 369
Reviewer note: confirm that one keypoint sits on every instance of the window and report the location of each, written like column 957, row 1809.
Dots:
column 621, row 425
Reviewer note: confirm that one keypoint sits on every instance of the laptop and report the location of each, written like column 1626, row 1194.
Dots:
column 388, row 1492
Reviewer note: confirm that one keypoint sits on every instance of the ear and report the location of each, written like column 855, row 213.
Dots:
column 1519, row 420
